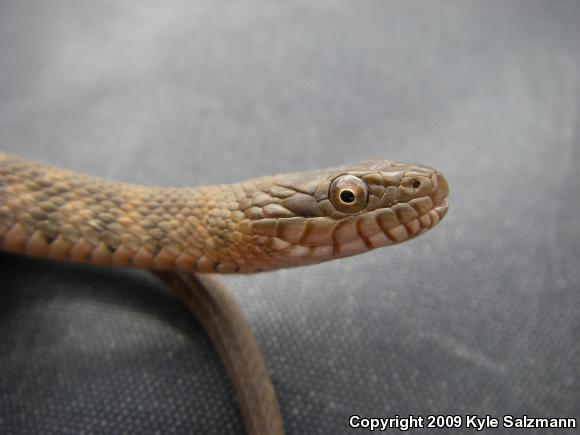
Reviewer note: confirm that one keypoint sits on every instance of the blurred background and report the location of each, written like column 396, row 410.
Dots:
column 479, row 316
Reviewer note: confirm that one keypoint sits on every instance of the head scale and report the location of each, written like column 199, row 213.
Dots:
column 309, row 217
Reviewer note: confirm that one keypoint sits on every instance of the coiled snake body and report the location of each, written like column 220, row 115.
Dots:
column 256, row 225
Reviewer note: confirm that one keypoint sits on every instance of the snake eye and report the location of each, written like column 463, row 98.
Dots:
column 348, row 194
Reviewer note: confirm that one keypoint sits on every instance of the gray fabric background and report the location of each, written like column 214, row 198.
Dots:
column 479, row 316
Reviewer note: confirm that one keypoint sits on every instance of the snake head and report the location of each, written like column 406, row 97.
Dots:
column 309, row 217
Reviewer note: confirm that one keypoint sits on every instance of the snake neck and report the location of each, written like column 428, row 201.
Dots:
column 62, row 215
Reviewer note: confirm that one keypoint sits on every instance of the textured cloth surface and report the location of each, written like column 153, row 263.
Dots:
column 479, row 316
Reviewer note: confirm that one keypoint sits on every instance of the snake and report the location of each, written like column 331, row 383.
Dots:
column 188, row 235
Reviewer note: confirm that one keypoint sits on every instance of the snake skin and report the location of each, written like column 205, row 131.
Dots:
column 259, row 224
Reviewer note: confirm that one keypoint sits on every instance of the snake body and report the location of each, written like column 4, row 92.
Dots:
column 260, row 224
column 256, row 225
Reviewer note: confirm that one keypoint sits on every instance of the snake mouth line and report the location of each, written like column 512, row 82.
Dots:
column 384, row 237
column 399, row 233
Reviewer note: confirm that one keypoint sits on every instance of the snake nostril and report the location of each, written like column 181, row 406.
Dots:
column 416, row 184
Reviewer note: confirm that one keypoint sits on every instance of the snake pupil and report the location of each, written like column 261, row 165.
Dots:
column 347, row 196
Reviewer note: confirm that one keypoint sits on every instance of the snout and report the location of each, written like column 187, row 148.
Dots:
column 441, row 189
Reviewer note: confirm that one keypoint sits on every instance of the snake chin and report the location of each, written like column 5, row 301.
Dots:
column 384, row 236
